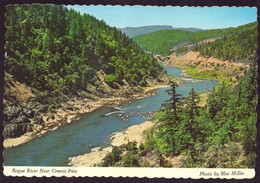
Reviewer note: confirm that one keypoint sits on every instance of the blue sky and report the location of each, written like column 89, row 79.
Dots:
column 198, row 17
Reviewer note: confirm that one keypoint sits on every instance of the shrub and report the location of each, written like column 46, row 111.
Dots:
column 112, row 157
column 110, row 78
column 163, row 162
column 130, row 160
column 131, row 146
column 141, row 147
column 146, row 163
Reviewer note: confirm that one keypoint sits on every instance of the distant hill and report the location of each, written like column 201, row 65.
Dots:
column 161, row 42
column 137, row 31
column 190, row 29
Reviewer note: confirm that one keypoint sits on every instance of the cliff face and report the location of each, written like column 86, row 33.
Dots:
column 21, row 111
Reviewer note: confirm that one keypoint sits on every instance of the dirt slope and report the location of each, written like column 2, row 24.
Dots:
column 203, row 63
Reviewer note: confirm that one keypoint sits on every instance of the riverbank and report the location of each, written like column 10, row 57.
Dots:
column 69, row 113
column 131, row 134
column 197, row 66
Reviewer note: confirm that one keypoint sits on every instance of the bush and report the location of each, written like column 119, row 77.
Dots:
column 130, row 160
column 146, row 163
column 163, row 162
column 230, row 155
column 112, row 158
column 131, row 146
column 110, row 78
column 141, row 147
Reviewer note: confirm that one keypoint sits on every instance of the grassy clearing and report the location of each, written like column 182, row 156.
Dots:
column 193, row 72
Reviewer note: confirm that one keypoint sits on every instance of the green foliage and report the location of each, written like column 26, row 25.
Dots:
column 141, row 147
column 112, row 157
column 239, row 45
column 159, row 115
column 130, row 160
column 237, row 42
column 220, row 134
column 116, row 157
column 172, row 106
column 52, row 49
column 192, row 71
column 163, row 162
column 130, row 146
column 146, row 163
column 230, row 155
column 181, row 50
column 110, row 78
column 161, row 41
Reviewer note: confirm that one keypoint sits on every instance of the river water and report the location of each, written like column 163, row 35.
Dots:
column 92, row 130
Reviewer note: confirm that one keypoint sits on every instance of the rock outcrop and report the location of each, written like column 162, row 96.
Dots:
column 20, row 112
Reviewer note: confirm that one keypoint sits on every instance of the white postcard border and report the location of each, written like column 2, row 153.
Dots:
column 195, row 173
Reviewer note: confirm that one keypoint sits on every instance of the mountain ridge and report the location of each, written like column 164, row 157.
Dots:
column 143, row 30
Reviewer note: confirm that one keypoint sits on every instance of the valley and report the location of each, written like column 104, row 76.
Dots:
column 79, row 92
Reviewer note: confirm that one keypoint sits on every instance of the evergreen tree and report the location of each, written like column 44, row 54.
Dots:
column 193, row 104
column 172, row 105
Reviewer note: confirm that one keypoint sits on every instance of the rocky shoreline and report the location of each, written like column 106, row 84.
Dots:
column 69, row 111
column 131, row 134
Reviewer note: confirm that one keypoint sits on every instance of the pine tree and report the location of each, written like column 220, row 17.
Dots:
column 193, row 104
column 172, row 105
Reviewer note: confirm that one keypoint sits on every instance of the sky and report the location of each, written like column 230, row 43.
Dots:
column 197, row 17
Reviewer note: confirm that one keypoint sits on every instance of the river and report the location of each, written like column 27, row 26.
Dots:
column 92, row 130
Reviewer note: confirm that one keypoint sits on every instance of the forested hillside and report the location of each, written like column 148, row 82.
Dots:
column 58, row 50
column 55, row 55
column 238, row 46
column 161, row 42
